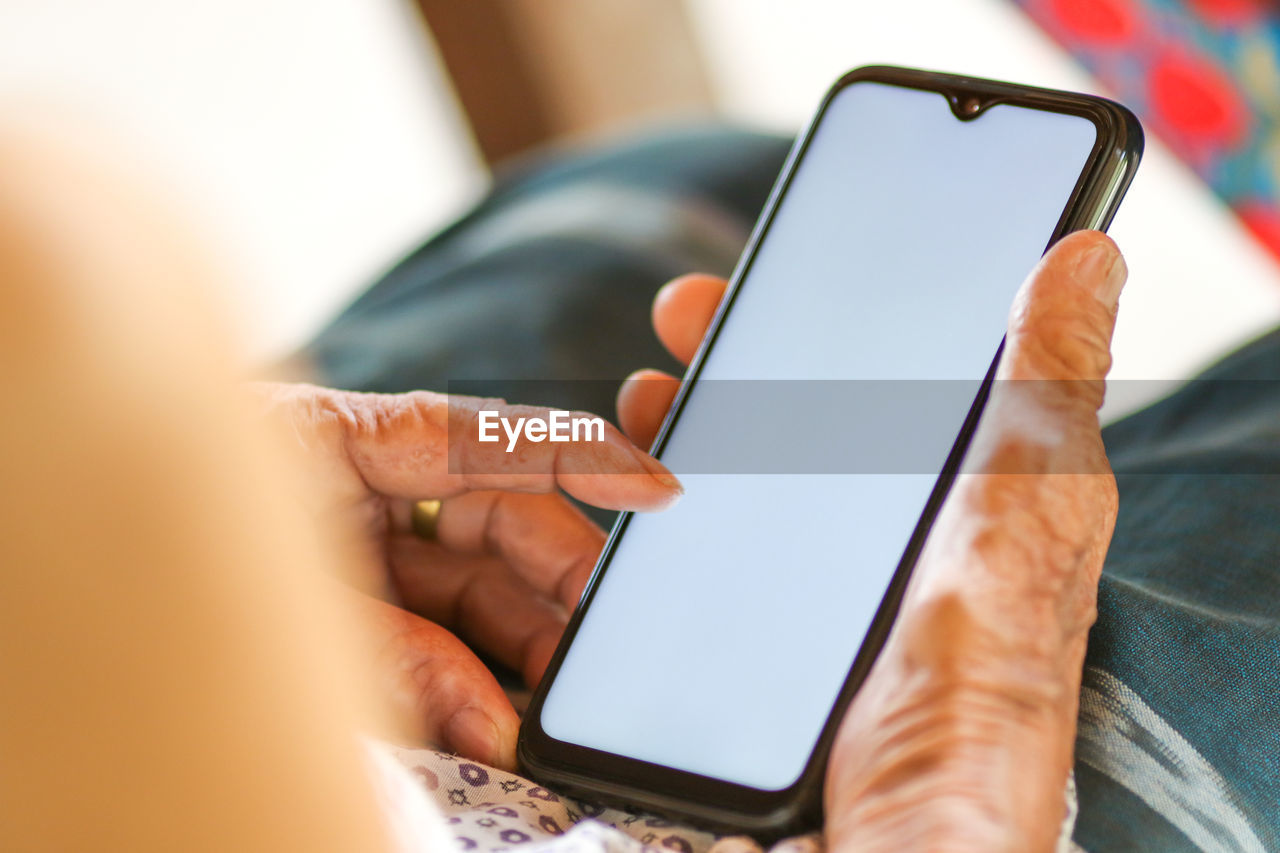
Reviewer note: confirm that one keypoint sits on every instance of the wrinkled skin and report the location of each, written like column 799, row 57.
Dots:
column 511, row 557
column 961, row 737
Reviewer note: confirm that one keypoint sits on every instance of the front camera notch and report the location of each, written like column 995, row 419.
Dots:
column 967, row 107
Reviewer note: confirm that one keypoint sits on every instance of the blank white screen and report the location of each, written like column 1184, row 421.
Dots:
column 723, row 629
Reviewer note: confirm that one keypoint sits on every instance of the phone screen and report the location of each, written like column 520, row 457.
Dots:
column 722, row 630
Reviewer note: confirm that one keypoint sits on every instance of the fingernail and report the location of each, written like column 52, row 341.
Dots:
column 652, row 467
column 473, row 733
column 659, row 472
column 670, row 481
column 1103, row 270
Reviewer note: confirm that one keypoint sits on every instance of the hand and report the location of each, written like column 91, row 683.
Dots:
column 511, row 554
column 961, row 738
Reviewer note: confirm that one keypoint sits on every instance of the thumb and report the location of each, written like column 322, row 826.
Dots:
column 1064, row 315
column 1043, row 415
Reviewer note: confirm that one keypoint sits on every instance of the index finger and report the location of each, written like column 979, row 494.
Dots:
column 425, row 445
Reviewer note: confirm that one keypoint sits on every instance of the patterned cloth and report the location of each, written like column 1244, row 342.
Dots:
column 1203, row 75
column 489, row 810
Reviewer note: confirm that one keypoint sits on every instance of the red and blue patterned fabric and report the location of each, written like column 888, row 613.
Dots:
column 1203, row 75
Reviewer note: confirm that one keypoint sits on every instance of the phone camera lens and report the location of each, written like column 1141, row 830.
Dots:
column 970, row 107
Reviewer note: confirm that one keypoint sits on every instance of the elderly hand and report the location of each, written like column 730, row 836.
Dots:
column 961, row 737
column 510, row 554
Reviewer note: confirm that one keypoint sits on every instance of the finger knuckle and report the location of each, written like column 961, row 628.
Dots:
column 962, row 647
column 385, row 416
column 1014, row 448
column 1029, row 524
column 1063, row 344
column 1030, row 549
column 1041, row 428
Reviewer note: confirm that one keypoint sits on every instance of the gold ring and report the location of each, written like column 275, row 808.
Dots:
column 425, row 519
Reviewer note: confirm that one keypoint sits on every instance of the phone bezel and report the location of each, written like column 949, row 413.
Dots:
column 728, row 806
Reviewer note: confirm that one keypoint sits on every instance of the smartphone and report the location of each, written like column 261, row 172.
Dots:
column 711, row 657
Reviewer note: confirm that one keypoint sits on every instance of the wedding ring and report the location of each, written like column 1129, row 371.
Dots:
column 425, row 519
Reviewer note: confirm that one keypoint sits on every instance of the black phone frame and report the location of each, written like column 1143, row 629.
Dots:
column 729, row 807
